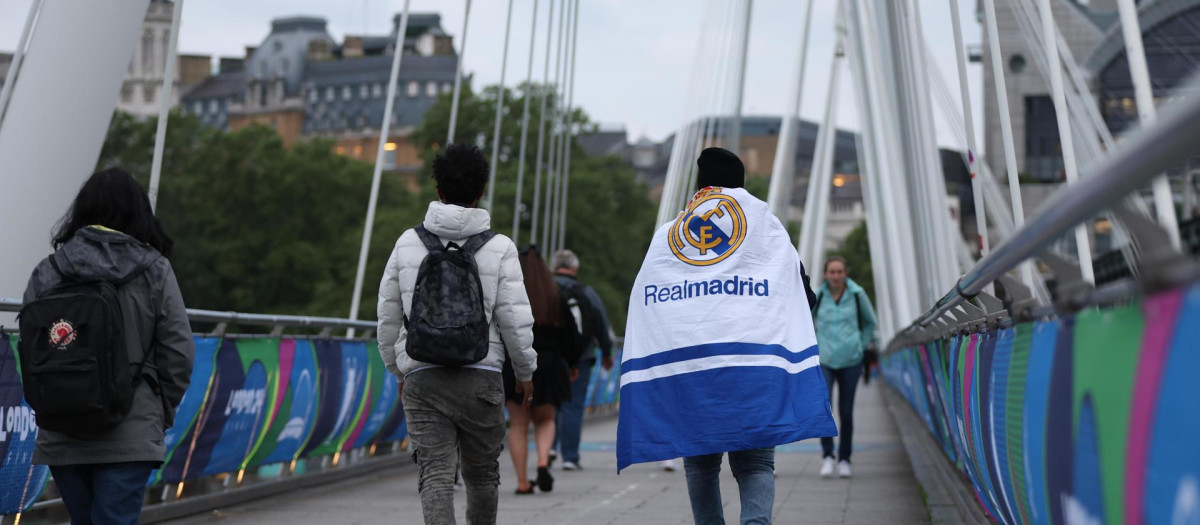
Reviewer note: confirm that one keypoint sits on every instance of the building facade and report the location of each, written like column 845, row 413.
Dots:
column 144, row 79
column 303, row 84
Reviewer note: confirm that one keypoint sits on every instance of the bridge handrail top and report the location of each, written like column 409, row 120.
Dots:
column 8, row 304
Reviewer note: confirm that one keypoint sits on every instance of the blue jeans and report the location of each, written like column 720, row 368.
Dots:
column 570, row 413
column 104, row 492
column 755, row 474
column 847, row 380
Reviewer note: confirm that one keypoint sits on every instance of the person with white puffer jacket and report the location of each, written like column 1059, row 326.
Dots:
column 455, row 414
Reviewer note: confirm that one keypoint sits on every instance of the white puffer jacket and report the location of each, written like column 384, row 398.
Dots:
column 504, row 299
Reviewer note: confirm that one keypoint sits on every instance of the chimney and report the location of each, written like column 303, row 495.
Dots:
column 250, row 52
column 352, row 47
column 231, row 65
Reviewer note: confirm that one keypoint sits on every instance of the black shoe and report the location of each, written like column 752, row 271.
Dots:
column 545, row 481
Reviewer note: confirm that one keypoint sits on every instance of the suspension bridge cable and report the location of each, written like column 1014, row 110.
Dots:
column 545, row 92
column 736, row 140
column 524, row 127
column 458, row 76
column 783, row 170
column 566, row 183
column 164, row 106
column 1135, row 53
column 969, row 117
column 1083, row 245
column 18, row 57
column 397, row 55
column 499, row 112
column 551, row 158
column 553, row 215
column 1010, row 151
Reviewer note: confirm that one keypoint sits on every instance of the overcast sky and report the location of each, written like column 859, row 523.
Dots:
column 636, row 57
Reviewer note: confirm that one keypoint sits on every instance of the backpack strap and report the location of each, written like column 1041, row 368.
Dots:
column 817, row 305
column 431, row 241
column 477, row 241
column 858, row 312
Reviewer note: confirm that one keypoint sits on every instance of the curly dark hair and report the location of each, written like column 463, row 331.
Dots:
column 461, row 173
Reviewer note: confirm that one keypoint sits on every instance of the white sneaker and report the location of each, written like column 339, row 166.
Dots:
column 827, row 468
column 843, row 469
column 669, row 465
column 571, row 465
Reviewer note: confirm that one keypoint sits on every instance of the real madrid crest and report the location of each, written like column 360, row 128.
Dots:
column 62, row 334
column 709, row 230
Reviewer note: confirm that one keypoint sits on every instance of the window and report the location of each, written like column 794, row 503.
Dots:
column 1016, row 64
column 147, row 52
column 363, row 92
column 377, row 90
column 148, row 93
column 414, row 88
column 313, row 96
column 358, row 150
column 431, row 89
column 362, row 121
column 198, row 108
column 447, row 87
column 283, row 67
column 346, row 93
column 214, row 106
column 127, row 93
column 329, row 94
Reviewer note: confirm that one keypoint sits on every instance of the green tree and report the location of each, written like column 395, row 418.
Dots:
column 610, row 219
column 857, row 251
column 266, row 229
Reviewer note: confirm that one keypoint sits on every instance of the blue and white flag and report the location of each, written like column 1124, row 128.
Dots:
column 720, row 353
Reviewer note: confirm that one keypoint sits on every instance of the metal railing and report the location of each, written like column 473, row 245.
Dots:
column 1145, row 154
column 278, row 322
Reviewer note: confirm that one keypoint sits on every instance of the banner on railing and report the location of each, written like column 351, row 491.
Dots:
column 1092, row 418
column 251, row 402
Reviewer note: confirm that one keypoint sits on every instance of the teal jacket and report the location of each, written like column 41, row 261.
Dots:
column 838, row 335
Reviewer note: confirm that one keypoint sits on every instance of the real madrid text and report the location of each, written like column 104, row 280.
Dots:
column 688, row 289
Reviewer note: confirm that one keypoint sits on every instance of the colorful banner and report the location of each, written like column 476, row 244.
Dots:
column 21, row 482
column 251, row 402
column 1086, row 419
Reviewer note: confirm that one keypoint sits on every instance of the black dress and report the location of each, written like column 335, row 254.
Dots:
column 551, row 380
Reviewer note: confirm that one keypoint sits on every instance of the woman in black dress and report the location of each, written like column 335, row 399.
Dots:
column 553, row 338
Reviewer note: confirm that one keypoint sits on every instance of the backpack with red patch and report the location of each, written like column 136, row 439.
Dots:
column 75, row 368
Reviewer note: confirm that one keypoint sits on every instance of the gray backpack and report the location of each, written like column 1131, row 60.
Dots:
column 446, row 323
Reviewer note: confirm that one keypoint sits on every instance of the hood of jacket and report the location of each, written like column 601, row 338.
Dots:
column 101, row 253
column 454, row 223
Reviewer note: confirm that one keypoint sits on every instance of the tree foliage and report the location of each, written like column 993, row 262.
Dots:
column 857, row 251
column 266, row 229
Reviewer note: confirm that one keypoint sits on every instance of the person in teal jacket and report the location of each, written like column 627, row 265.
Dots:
column 845, row 322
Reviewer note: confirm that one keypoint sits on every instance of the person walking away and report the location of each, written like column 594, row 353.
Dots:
column 720, row 354
column 106, row 306
column 555, row 340
column 452, row 304
column 587, row 311
column 845, row 327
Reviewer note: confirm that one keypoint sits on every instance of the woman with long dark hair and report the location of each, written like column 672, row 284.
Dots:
column 110, row 234
column 554, row 336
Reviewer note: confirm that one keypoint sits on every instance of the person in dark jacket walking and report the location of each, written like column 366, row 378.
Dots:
column 110, row 233
column 587, row 311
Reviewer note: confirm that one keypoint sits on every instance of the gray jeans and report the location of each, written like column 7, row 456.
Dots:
column 455, row 418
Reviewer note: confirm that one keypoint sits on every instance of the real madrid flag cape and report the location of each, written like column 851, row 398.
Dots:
column 720, row 353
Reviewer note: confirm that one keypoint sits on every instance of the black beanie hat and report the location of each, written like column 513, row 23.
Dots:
column 719, row 167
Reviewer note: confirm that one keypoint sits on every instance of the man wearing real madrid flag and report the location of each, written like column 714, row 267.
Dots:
column 720, row 352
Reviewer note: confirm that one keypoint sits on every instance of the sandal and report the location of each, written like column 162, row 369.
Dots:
column 526, row 491
column 545, row 481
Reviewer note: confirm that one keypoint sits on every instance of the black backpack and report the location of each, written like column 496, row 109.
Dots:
column 74, row 364
column 579, row 322
column 446, row 323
